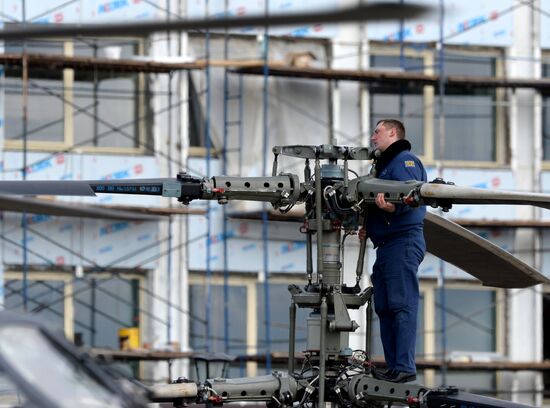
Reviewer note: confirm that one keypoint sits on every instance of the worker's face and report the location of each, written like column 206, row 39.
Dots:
column 381, row 137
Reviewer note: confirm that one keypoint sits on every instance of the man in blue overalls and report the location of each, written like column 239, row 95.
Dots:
column 396, row 231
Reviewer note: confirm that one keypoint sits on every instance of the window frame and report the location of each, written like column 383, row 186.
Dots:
column 429, row 287
column 250, row 282
column 429, row 93
column 68, row 80
column 67, row 277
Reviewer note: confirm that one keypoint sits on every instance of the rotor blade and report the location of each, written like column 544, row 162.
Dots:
column 438, row 193
column 365, row 12
column 57, row 187
column 470, row 195
column 38, row 206
column 83, row 187
column 482, row 259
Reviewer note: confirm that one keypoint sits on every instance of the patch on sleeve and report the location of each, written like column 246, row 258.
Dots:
column 409, row 163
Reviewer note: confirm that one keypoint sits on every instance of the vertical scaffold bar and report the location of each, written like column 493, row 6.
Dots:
column 25, row 118
column 170, row 220
column 265, row 225
column 208, row 310
column 224, row 171
column 441, row 105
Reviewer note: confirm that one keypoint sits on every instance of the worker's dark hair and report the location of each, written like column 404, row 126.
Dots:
column 393, row 124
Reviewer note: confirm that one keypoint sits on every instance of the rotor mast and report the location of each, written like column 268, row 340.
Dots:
column 329, row 323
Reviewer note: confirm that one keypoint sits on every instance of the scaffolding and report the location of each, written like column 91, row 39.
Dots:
column 239, row 70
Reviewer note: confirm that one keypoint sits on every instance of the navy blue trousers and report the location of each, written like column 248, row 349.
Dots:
column 396, row 295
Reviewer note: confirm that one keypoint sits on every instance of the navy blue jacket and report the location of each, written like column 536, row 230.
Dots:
column 382, row 225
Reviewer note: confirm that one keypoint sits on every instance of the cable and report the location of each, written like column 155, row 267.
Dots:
column 170, row 13
column 118, row 129
column 114, row 128
column 115, row 274
column 14, row 89
column 49, row 124
column 9, row 18
column 353, row 172
column 53, row 9
column 308, row 115
column 42, row 306
column 14, row 292
column 88, row 260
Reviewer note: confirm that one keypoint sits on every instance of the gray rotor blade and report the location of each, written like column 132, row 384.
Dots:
column 438, row 194
column 83, row 187
column 471, row 195
column 38, row 206
column 482, row 259
column 57, row 187
column 366, row 12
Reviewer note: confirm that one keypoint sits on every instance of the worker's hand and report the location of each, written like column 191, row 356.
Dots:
column 362, row 234
column 383, row 204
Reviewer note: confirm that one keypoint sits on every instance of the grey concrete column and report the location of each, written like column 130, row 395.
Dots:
column 524, row 307
column 170, row 280
column 351, row 116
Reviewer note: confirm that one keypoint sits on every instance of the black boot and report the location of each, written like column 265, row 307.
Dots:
column 399, row 376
